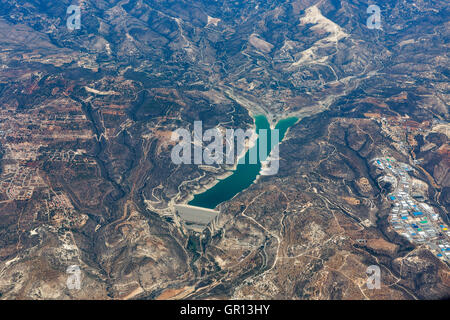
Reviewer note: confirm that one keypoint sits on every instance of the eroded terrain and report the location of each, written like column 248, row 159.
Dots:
column 85, row 135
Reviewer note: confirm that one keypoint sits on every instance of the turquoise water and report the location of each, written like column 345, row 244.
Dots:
column 245, row 174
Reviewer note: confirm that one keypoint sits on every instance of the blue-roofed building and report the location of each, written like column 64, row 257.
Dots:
column 418, row 213
column 392, row 198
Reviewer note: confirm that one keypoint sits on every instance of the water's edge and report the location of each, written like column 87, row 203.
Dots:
column 244, row 175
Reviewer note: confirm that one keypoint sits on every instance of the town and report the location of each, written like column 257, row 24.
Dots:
column 414, row 219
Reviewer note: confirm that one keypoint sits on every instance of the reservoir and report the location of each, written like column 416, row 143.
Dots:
column 245, row 174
